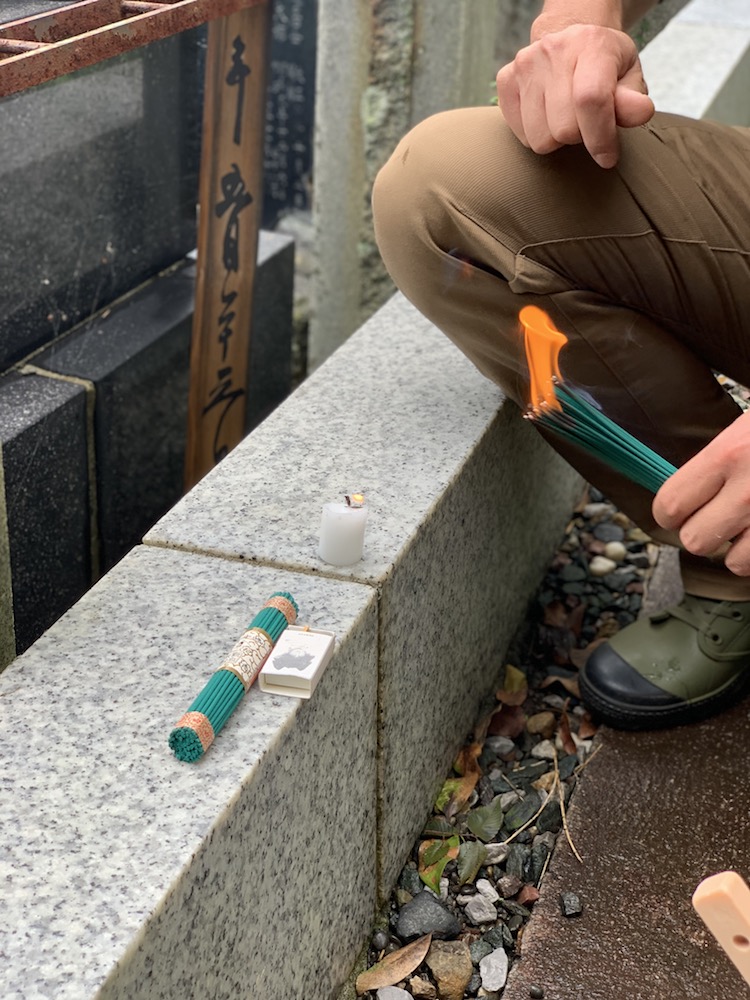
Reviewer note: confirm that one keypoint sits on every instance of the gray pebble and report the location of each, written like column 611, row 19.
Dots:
column 500, row 745
column 494, row 969
column 509, row 885
column 572, row 573
column 522, row 812
column 473, row 986
column 426, row 915
column 379, row 940
column 497, row 853
column 608, row 532
column 570, row 904
column 518, row 859
column 480, row 910
column 478, row 949
column 409, row 879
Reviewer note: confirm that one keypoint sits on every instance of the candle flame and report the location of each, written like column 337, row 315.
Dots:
column 355, row 499
column 543, row 343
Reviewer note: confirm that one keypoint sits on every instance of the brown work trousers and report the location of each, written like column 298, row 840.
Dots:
column 645, row 268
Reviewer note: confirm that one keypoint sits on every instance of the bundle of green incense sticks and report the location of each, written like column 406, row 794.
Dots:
column 208, row 714
column 582, row 423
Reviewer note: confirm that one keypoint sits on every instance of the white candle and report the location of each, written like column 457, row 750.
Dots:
column 342, row 532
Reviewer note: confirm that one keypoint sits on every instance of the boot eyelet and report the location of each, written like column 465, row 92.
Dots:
column 737, row 615
column 716, row 638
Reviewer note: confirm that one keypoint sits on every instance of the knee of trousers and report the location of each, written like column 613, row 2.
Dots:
column 433, row 197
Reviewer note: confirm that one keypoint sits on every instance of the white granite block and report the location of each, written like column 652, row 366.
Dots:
column 449, row 612
column 393, row 413
column 700, row 70
column 127, row 873
column 725, row 13
column 465, row 501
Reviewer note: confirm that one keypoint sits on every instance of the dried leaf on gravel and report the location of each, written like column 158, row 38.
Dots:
column 579, row 657
column 563, row 730
column 394, row 967
column 508, row 720
column 515, row 689
column 471, row 857
column 555, row 614
column 485, row 821
column 467, row 761
column 446, row 793
column 587, row 727
column 437, row 826
column 434, row 855
column 575, row 619
column 569, row 683
column 467, row 766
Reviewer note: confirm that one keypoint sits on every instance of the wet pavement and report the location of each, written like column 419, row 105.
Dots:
column 653, row 815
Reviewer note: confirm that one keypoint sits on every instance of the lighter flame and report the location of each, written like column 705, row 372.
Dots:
column 543, row 343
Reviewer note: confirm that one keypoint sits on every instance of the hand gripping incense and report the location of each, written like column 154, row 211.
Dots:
column 206, row 717
column 567, row 412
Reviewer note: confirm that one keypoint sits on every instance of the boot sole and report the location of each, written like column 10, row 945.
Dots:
column 620, row 715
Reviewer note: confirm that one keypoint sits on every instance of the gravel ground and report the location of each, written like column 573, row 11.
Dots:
column 474, row 874
column 454, row 924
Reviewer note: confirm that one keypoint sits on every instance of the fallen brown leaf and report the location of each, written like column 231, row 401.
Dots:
column 467, row 766
column 394, row 967
column 555, row 614
column 587, row 727
column 515, row 689
column 545, row 782
column 508, row 720
column 575, row 619
column 563, row 730
column 579, row 657
column 569, row 683
column 467, row 761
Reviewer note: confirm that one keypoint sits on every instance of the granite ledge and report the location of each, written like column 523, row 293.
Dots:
column 120, row 853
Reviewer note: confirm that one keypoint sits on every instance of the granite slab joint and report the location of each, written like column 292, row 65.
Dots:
column 283, row 565
column 7, row 624
column 90, row 389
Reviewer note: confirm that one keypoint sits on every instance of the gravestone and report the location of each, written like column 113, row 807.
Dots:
column 99, row 177
column 290, row 109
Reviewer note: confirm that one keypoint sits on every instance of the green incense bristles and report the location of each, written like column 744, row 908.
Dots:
column 208, row 714
column 588, row 427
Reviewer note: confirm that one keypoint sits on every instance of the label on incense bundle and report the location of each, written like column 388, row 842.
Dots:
column 247, row 656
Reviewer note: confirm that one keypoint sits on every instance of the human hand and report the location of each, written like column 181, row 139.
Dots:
column 575, row 86
column 708, row 499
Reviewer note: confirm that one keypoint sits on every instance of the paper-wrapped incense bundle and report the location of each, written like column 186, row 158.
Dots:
column 208, row 714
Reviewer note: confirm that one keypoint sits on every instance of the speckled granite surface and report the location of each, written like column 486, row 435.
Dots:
column 392, row 413
column 127, row 874
column 449, row 611
column 446, row 465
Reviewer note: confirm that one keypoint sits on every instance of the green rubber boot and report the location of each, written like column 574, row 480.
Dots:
column 672, row 667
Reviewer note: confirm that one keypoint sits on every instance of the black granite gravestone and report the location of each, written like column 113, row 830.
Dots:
column 45, row 462
column 98, row 175
column 290, row 109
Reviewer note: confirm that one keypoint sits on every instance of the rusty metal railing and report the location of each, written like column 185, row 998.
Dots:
column 41, row 47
